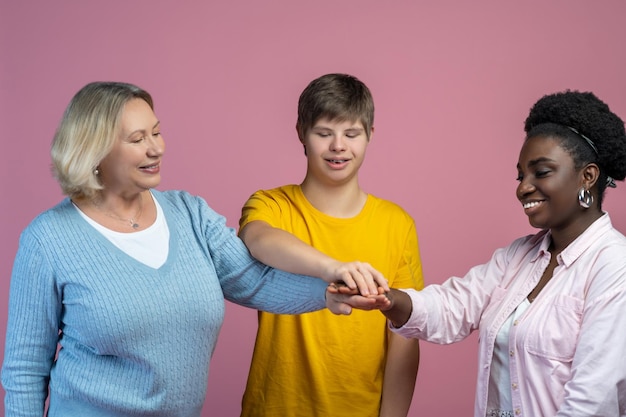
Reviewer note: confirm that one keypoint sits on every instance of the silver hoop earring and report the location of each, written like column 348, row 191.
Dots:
column 585, row 199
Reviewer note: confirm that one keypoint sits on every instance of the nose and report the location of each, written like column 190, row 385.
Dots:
column 156, row 146
column 524, row 188
column 337, row 144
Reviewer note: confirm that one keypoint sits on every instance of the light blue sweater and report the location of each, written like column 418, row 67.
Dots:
column 135, row 341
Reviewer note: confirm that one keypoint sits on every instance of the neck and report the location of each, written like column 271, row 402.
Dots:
column 341, row 201
column 123, row 209
column 562, row 237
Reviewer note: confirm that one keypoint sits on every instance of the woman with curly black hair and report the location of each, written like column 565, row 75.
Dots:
column 551, row 307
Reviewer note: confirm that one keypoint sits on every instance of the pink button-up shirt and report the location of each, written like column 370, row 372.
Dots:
column 568, row 349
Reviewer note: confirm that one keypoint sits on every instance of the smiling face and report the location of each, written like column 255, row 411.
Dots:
column 549, row 184
column 335, row 151
column 133, row 165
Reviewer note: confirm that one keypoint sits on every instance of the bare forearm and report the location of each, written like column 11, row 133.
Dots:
column 400, row 373
column 280, row 249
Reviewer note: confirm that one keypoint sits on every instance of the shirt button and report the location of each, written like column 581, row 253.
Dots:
column 515, row 323
column 518, row 411
column 511, row 353
column 514, row 386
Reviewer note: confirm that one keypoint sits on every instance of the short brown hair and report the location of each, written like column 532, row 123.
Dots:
column 336, row 97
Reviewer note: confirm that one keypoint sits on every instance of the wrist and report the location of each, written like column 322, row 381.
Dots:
column 400, row 308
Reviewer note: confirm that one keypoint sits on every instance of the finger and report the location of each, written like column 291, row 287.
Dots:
column 348, row 280
column 382, row 302
column 342, row 289
column 373, row 302
column 380, row 279
column 338, row 307
column 345, row 309
column 363, row 303
column 332, row 288
column 368, row 277
column 365, row 280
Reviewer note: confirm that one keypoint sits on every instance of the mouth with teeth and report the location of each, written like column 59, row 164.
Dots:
column 150, row 168
column 337, row 161
column 531, row 204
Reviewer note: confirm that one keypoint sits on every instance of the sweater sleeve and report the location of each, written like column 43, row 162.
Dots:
column 249, row 283
column 32, row 330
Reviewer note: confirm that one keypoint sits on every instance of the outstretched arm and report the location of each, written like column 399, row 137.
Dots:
column 280, row 249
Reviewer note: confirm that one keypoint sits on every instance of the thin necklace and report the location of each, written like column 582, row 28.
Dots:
column 132, row 221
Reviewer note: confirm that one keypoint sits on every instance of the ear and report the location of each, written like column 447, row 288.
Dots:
column 298, row 133
column 590, row 174
column 371, row 135
column 301, row 139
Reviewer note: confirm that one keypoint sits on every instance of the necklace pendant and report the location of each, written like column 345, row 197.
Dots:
column 134, row 225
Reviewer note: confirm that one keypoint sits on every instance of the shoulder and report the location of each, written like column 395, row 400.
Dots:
column 286, row 195
column 52, row 218
column 285, row 192
column 605, row 261
column 175, row 197
column 53, row 230
column 177, row 204
column 611, row 250
column 612, row 236
column 178, row 199
column 388, row 209
column 523, row 249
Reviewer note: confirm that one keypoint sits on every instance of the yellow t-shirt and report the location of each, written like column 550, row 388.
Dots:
column 319, row 364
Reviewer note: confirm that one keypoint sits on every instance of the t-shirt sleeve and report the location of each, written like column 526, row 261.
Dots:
column 409, row 272
column 260, row 206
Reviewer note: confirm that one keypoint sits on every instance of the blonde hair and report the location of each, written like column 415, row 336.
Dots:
column 87, row 133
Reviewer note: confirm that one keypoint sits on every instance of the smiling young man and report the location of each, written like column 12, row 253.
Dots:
column 310, row 365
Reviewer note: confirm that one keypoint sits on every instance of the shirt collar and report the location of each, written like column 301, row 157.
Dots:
column 581, row 243
column 586, row 239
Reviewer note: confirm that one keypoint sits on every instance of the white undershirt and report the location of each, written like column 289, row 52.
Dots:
column 149, row 246
column 499, row 403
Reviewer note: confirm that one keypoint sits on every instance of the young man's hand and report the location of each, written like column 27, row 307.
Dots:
column 359, row 276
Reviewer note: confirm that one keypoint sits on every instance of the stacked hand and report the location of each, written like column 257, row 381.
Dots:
column 341, row 299
column 359, row 276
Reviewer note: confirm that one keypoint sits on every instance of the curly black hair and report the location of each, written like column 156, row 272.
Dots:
column 571, row 116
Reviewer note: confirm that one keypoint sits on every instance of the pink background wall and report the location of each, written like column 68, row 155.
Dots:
column 452, row 81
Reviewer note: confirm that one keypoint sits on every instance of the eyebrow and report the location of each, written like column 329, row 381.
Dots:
column 536, row 161
column 350, row 129
column 141, row 130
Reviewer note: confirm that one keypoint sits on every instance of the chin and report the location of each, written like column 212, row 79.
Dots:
column 536, row 224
